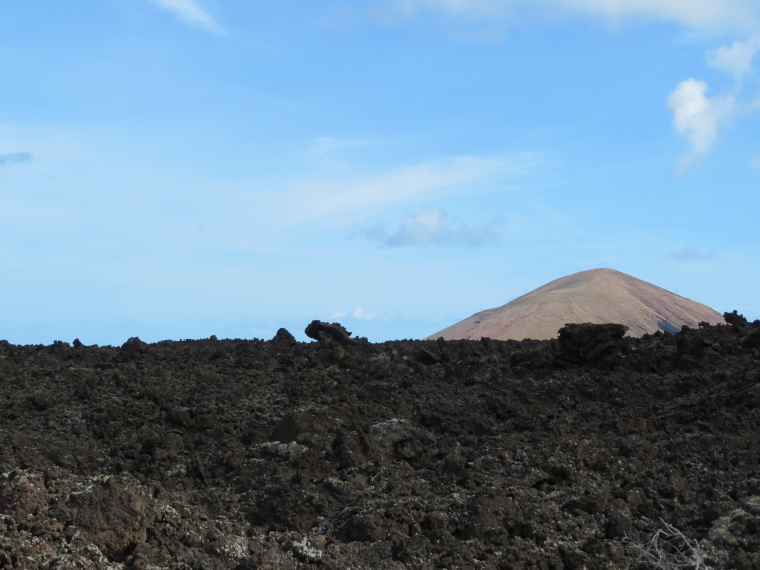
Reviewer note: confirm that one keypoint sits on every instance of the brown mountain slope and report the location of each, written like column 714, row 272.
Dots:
column 594, row 296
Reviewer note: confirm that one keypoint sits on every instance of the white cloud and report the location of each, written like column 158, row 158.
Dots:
column 735, row 59
column 755, row 161
column 190, row 12
column 463, row 175
column 431, row 228
column 698, row 118
column 732, row 16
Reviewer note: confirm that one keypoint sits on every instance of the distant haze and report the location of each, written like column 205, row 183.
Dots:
column 594, row 296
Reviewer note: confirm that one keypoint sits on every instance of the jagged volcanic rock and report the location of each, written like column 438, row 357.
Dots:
column 250, row 454
column 594, row 296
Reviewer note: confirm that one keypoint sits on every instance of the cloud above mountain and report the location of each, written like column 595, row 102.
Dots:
column 699, row 118
column 432, row 228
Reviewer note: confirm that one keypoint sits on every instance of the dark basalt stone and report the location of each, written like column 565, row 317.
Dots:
column 345, row 454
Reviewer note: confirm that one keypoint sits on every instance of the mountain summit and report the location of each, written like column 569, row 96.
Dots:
column 593, row 296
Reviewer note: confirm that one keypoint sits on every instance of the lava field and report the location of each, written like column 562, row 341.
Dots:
column 591, row 451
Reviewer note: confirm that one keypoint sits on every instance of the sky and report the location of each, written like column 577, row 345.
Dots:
column 175, row 169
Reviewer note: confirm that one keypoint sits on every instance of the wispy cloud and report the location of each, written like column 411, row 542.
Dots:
column 733, row 16
column 473, row 9
column 691, row 254
column 755, row 161
column 364, row 314
column 15, row 158
column 465, row 175
column 737, row 16
column 735, row 59
column 326, row 150
column 698, row 118
column 360, row 312
column 432, row 228
column 190, row 12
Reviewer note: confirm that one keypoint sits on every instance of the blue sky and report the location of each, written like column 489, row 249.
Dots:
column 175, row 169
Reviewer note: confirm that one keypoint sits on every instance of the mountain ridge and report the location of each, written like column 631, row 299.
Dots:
column 600, row 296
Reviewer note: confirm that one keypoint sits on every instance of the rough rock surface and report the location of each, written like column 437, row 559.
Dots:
column 250, row 454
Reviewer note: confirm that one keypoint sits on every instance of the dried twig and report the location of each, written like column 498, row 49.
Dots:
column 670, row 548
